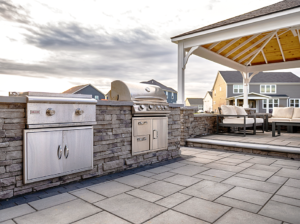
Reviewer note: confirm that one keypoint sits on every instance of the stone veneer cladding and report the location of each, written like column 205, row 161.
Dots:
column 112, row 147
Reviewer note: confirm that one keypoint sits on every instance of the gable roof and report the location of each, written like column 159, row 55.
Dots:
column 209, row 93
column 270, row 9
column 75, row 89
column 196, row 101
column 162, row 86
column 262, row 77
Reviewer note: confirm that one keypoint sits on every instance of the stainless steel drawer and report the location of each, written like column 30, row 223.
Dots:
column 141, row 127
column 141, row 143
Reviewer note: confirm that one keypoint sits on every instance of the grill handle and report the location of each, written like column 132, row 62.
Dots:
column 142, row 123
column 66, row 151
column 155, row 134
column 59, row 152
column 149, row 97
column 141, row 139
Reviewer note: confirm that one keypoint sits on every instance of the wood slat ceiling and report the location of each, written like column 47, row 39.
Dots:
column 290, row 45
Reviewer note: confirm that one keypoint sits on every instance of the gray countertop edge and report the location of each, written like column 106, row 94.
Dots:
column 205, row 115
column 175, row 105
column 114, row 103
column 13, row 99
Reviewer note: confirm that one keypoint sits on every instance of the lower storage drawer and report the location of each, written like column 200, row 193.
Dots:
column 141, row 143
column 55, row 152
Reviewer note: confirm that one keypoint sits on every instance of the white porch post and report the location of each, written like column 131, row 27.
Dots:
column 267, row 110
column 235, row 103
column 181, row 77
column 246, row 81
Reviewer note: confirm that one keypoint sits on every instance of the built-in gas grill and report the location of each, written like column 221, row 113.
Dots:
column 59, row 136
column 150, row 110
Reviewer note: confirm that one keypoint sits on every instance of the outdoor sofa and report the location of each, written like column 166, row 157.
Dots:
column 233, row 116
column 284, row 116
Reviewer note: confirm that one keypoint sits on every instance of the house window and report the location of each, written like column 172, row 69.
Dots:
column 200, row 107
column 172, row 95
column 272, row 103
column 166, row 94
column 220, row 88
column 238, row 89
column 96, row 97
column 294, row 102
column 267, row 88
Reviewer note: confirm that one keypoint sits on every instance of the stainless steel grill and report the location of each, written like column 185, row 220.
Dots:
column 59, row 136
column 150, row 111
column 149, row 100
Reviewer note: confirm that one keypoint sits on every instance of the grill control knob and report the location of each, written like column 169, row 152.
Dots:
column 150, row 107
column 50, row 112
column 78, row 111
column 166, row 107
column 141, row 107
column 158, row 107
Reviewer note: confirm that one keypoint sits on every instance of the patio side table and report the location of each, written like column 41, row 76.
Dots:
column 279, row 124
column 264, row 116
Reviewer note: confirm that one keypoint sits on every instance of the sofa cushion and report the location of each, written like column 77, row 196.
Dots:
column 240, row 111
column 228, row 110
column 279, row 119
column 295, row 120
column 238, row 120
column 283, row 112
column 296, row 113
column 259, row 120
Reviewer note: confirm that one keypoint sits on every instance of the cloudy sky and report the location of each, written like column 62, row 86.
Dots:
column 54, row 45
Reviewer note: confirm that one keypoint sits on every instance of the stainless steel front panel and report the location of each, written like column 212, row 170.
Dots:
column 63, row 113
column 55, row 152
column 160, row 133
column 157, row 130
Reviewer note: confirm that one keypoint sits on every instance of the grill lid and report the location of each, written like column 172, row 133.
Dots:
column 126, row 91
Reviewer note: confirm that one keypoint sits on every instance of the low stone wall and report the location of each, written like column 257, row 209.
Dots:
column 193, row 125
column 112, row 147
column 245, row 150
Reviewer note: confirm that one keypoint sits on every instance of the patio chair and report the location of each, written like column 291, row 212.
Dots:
column 232, row 116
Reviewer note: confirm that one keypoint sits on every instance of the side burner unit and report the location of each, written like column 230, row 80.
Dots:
column 59, row 135
column 150, row 110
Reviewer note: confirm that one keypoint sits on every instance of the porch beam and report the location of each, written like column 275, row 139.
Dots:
column 253, row 45
column 278, row 41
column 263, row 54
column 181, row 75
column 274, row 66
column 262, row 47
column 242, row 45
column 228, row 45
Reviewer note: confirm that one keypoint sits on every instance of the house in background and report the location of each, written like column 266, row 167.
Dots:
column 266, row 90
column 208, row 102
column 194, row 102
column 86, row 89
column 170, row 92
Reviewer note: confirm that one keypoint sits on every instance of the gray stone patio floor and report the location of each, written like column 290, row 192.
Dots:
column 203, row 186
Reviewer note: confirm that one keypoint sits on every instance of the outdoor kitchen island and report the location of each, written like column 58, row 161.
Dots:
column 112, row 145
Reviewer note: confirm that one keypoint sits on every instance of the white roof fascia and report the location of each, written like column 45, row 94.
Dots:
column 80, row 89
column 276, row 23
column 243, row 23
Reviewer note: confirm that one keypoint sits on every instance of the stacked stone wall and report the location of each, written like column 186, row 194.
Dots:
column 112, row 147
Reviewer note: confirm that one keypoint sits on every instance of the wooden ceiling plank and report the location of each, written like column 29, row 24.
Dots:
column 247, row 56
column 278, row 41
column 263, row 54
column 298, row 35
column 262, row 46
column 213, row 45
column 228, row 45
column 253, row 45
column 241, row 45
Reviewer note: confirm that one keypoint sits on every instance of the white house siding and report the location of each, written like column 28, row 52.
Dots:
column 208, row 103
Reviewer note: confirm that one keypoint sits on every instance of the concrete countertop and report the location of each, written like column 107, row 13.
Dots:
column 13, row 99
column 205, row 115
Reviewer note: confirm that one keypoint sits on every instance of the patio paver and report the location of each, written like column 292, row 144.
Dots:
column 189, row 170
column 14, row 212
column 162, row 188
column 173, row 200
column 110, row 189
column 286, row 200
column 88, row 195
column 103, row 217
column 182, row 180
column 289, row 173
column 238, row 204
column 52, row 201
column 291, row 192
column 135, row 180
column 144, row 195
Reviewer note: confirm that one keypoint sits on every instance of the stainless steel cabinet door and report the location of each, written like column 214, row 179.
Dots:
column 77, row 149
column 141, row 126
column 160, row 133
column 43, row 155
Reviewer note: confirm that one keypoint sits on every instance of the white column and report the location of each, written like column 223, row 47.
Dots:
column 267, row 110
column 235, row 102
column 246, row 81
column 181, row 76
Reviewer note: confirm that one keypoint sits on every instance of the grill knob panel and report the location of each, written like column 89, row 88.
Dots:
column 141, row 107
column 50, row 112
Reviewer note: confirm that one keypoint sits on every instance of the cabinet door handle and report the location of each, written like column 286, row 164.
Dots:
column 155, row 134
column 142, row 123
column 141, row 139
column 66, row 151
column 59, row 152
